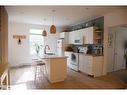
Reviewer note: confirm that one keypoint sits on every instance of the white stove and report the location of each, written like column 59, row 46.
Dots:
column 74, row 64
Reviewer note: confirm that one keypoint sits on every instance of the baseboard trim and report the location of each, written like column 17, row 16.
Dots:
column 21, row 65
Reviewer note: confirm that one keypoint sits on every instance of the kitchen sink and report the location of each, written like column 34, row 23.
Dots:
column 50, row 54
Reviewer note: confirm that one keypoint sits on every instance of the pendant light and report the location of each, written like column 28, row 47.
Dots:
column 44, row 33
column 53, row 27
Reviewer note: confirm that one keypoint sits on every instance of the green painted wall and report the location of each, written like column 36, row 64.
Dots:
column 98, row 22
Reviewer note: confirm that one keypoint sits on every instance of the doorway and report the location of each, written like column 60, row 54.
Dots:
column 116, row 50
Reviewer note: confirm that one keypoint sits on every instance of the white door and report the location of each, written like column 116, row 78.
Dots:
column 119, row 61
column 115, row 56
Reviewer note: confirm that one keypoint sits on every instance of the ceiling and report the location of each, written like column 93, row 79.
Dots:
column 63, row 15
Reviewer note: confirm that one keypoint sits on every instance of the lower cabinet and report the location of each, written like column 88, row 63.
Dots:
column 91, row 65
column 68, row 54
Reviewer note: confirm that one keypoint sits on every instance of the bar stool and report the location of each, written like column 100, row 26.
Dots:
column 39, row 69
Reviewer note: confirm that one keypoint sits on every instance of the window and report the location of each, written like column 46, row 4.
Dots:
column 36, row 41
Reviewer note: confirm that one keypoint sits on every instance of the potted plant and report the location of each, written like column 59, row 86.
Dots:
column 37, row 48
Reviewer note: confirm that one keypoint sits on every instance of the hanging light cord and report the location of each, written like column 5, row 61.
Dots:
column 53, row 13
column 44, row 33
column 44, row 22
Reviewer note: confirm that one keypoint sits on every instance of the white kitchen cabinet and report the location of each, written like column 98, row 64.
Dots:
column 93, row 35
column 68, row 54
column 82, row 62
column 76, row 35
column 62, row 35
column 88, row 35
column 72, row 37
column 85, row 35
column 91, row 65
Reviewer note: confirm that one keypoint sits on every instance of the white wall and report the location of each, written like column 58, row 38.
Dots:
column 51, row 40
column 116, row 31
column 20, row 54
column 116, row 18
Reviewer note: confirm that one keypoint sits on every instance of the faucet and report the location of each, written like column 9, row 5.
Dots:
column 45, row 48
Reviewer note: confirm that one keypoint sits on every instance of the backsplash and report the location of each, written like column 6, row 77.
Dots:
column 91, row 49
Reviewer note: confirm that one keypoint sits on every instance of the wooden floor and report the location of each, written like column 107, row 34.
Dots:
column 23, row 78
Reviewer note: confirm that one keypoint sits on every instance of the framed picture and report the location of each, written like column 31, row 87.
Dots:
column 110, row 40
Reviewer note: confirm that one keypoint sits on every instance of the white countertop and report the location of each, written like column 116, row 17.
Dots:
column 52, row 56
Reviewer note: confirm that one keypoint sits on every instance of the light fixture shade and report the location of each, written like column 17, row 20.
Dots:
column 53, row 29
column 44, row 33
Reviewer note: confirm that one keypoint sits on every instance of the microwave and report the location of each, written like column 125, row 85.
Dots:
column 78, row 41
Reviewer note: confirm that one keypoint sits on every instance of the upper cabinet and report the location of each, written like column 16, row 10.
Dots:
column 75, row 37
column 62, row 35
column 71, row 37
column 90, row 35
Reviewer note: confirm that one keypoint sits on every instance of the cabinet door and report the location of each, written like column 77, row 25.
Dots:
column 82, row 35
column 62, row 35
column 68, row 54
column 71, row 37
column 89, row 65
column 88, row 33
column 74, row 35
column 86, row 64
column 78, row 34
column 81, row 62
column 98, row 66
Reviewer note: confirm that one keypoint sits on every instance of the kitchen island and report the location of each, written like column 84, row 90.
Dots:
column 56, row 67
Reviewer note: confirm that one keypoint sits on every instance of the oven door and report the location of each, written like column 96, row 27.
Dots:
column 74, row 61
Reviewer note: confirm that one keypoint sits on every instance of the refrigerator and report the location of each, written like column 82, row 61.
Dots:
column 60, row 47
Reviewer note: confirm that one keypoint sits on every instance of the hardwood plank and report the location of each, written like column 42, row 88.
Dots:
column 74, row 80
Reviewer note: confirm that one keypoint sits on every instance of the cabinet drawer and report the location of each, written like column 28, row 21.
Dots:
column 90, row 61
column 90, row 57
column 89, row 66
column 90, row 71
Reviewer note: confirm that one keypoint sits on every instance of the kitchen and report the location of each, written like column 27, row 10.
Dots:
column 85, row 48
column 79, row 48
